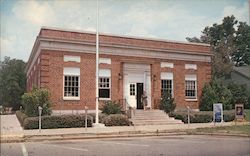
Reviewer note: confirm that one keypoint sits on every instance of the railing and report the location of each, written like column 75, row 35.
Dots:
column 129, row 111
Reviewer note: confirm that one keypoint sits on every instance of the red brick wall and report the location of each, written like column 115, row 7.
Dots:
column 126, row 41
column 52, row 63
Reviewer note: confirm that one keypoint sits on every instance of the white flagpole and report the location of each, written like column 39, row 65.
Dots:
column 97, row 64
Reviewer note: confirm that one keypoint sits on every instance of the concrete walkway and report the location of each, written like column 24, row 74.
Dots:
column 10, row 126
column 11, row 131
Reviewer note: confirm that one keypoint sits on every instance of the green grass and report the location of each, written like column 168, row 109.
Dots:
column 247, row 111
column 236, row 129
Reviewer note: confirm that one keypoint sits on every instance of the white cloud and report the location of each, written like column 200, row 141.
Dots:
column 34, row 12
column 240, row 12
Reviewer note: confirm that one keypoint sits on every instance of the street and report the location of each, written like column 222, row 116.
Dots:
column 188, row 145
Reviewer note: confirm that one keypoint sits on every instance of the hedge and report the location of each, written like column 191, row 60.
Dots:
column 116, row 120
column 49, row 122
column 202, row 116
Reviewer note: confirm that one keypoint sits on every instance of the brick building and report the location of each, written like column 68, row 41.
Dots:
column 64, row 62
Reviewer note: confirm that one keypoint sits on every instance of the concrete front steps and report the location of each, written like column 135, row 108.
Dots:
column 152, row 117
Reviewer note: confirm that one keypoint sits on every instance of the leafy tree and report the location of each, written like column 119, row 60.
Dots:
column 241, row 55
column 32, row 100
column 239, row 94
column 229, row 46
column 167, row 103
column 215, row 92
column 12, row 82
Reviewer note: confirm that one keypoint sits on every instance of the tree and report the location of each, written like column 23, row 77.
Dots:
column 239, row 94
column 32, row 100
column 230, row 47
column 215, row 92
column 241, row 55
column 167, row 103
column 12, row 82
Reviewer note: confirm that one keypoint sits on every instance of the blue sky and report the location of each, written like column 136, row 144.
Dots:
column 165, row 19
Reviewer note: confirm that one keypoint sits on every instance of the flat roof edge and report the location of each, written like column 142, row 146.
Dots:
column 124, row 36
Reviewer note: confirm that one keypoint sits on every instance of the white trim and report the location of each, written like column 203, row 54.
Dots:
column 104, row 73
column 42, row 43
column 105, row 60
column 67, row 58
column 191, row 66
column 166, row 76
column 71, row 98
column 75, row 72
column 71, row 71
column 191, row 77
column 167, row 64
column 191, row 100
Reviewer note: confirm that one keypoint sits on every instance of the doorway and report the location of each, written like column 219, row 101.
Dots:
column 139, row 92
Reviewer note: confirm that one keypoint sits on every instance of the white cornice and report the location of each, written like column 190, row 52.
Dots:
column 109, row 49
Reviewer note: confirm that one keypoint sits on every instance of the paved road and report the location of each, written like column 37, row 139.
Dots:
column 141, row 146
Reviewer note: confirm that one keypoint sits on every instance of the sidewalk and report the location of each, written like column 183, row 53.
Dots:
column 17, row 134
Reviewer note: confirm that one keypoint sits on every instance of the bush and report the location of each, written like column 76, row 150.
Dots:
column 239, row 94
column 167, row 103
column 35, row 98
column 62, row 121
column 111, row 107
column 215, row 92
column 116, row 120
column 21, row 117
column 202, row 116
column 101, row 117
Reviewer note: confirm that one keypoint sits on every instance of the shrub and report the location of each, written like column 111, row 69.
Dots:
column 239, row 94
column 202, row 116
column 101, row 117
column 62, row 121
column 111, row 107
column 215, row 92
column 21, row 117
column 167, row 103
column 116, row 120
column 35, row 98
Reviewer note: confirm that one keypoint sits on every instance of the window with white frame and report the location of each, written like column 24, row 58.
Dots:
column 104, row 83
column 167, row 83
column 191, row 87
column 132, row 89
column 71, row 83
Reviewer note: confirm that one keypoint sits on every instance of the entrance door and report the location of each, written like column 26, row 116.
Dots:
column 139, row 92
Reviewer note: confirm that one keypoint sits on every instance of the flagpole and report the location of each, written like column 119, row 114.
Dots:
column 97, row 63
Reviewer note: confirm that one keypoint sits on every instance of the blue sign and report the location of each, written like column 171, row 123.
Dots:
column 218, row 112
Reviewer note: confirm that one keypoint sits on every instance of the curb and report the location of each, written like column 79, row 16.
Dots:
column 37, row 138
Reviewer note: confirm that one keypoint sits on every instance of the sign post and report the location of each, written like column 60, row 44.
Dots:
column 218, row 112
column 86, row 117
column 40, row 118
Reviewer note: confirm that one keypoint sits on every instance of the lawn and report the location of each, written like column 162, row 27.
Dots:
column 236, row 129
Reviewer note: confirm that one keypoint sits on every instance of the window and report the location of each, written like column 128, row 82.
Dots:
column 71, row 86
column 104, row 83
column 167, row 83
column 190, row 87
column 71, row 89
column 166, row 86
column 104, row 87
column 132, row 89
